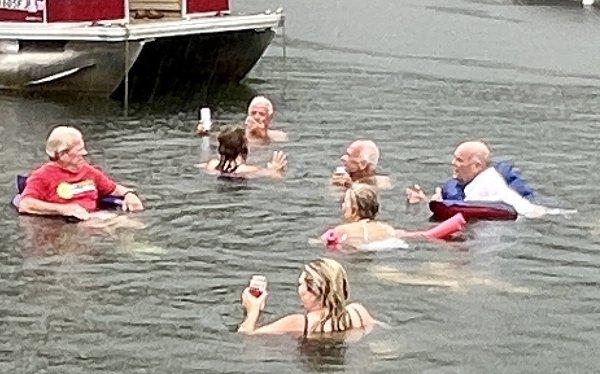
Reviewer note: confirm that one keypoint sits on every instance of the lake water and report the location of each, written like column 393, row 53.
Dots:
column 417, row 77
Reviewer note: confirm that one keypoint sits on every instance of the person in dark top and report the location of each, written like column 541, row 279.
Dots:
column 233, row 153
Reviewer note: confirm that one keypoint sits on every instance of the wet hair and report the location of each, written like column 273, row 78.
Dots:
column 363, row 200
column 261, row 100
column 232, row 143
column 60, row 139
column 327, row 279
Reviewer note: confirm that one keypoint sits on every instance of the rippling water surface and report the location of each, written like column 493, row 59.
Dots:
column 416, row 77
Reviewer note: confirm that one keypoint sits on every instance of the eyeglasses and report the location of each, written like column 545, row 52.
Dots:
column 76, row 149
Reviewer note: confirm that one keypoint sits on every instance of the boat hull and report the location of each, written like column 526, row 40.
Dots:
column 157, row 65
column 180, row 62
column 149, row 57
column 78, row 66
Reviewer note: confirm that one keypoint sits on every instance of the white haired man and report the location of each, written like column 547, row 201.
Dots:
column 259, row 120
column 67, row 185
column 360, row 164
column 476, row 179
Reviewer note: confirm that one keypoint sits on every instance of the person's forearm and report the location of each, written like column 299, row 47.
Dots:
column 521, row 205
column 249, row 323
column 121, row 190
column 35, row 206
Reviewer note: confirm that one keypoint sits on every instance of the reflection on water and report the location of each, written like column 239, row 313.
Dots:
column 562, row 3
column 58, row 236
column 449, row 276
column 413, row 77
column 323, row 354
column 53, row 237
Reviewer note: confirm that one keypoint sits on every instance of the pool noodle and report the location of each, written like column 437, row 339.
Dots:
column 442, row 230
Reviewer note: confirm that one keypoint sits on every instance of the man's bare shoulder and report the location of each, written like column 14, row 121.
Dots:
column 277, row 136
column 383, row 182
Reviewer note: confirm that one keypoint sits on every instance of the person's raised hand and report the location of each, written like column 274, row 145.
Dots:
column 200, row 131
column 341, row 179
column 256, row 128
column 437, row 196
column 414, row 194
column 252, row 303
column 278, row 161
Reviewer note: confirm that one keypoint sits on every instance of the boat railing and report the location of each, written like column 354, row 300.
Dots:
column 113, row 11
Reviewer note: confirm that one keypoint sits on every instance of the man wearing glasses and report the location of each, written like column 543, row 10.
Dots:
column 67, row 185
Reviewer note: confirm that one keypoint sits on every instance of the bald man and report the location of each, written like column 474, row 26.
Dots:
column 476, row 180
column 360, row 164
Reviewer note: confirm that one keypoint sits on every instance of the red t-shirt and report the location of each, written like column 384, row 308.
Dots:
column 53, row 184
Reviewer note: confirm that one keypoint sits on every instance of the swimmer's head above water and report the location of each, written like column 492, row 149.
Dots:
column 360, row 202
column 65, row 146
column 260, row 116
column 324, row 285
column 261, row 109
column 232, row 144
column 361, row 156
column 470, row 158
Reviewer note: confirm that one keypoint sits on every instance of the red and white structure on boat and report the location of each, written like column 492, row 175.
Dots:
column 104, row 46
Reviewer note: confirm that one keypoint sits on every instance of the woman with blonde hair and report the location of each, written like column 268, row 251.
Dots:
column 323, row 291
column 233, row 153
column 362, row 231
column 359, row 208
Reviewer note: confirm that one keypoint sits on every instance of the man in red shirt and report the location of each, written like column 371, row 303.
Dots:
column 67, row 185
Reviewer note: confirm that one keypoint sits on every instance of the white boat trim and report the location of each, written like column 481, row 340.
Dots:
column 53, row 77
column 117, row 32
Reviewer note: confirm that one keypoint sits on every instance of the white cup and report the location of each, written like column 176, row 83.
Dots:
column 340, row 170
column 258, row 285
column 205, row 118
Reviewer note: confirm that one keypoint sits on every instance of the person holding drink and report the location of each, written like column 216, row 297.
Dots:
column 359, row 166
column 323, row 292
column 257, row 123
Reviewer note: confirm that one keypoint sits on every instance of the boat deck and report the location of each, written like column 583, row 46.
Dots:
column 139, row 29
column 170, row 16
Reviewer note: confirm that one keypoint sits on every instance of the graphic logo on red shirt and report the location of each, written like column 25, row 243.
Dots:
column 68, row 191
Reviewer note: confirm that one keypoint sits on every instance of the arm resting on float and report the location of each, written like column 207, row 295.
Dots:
column 131, row 202
column 522, row 205
column 31, row 205
column 383, row 182
column 122, row 190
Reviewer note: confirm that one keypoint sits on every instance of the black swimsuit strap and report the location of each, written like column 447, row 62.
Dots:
column 305, row 333
column 359, row 317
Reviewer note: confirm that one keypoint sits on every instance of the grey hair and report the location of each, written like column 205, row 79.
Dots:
column 369, row 152
column 261, row 100
column 60, row 139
